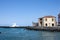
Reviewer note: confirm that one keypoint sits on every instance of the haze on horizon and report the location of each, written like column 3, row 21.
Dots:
column 24, row 12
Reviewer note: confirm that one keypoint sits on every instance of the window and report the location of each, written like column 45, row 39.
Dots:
column 46, row 19
column 52, row 24
column 52, row 19
column 46, row 24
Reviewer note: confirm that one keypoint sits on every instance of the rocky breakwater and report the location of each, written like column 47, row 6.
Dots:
column 52, row 29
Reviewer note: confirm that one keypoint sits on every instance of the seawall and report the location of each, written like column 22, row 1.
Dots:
column 53, row 29
column 45, row 28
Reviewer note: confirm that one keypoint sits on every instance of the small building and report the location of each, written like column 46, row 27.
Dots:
column 35, row 24
column 59, row 19
column 47, row 21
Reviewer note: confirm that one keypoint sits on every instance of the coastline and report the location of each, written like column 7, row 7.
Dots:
column 52, row 29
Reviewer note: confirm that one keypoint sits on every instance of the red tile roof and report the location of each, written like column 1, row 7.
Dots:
column 49, row 17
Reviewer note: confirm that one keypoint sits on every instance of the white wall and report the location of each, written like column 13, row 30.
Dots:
column 49, row 22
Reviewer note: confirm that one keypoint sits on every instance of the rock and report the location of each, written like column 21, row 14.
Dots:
column 0, row 32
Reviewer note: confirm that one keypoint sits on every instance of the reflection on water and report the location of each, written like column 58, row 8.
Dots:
column 48, row 35
column 23, row 34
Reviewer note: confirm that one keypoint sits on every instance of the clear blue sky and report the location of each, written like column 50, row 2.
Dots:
column 23, row 12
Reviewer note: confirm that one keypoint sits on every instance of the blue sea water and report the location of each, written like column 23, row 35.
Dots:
column 23, row 34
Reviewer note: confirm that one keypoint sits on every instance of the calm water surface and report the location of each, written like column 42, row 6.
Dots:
column 23, row 34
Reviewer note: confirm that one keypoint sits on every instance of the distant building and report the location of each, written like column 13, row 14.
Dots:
column 47, row 21
column 59, row 19
column 35, row 24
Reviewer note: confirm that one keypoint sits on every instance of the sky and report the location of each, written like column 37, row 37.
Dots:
column 24, row 12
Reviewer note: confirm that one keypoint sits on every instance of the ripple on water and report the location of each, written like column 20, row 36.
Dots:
column 23, row 34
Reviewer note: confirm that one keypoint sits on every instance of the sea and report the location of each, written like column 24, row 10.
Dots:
column 24, row 34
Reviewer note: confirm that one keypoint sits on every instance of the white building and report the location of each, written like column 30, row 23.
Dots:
column 47, row 21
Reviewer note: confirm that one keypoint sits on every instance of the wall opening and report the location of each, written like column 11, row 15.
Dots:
column 52, row 24
column 46, row 24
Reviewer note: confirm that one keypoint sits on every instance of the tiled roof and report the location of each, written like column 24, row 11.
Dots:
column 49, row 17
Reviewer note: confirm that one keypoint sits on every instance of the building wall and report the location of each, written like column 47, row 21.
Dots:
column 49, row 22
column 35, row 24
column 58, row 19
column 40, row 22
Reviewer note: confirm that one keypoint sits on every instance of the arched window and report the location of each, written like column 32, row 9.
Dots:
column 52, row 24
column 46, row 24
column 52, row 19
column 46, row 19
